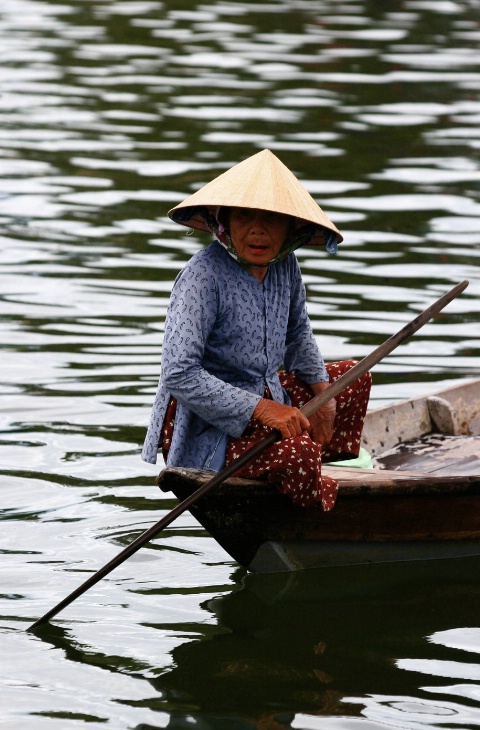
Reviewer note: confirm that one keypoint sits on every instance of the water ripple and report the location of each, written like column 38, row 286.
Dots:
column 111, row 113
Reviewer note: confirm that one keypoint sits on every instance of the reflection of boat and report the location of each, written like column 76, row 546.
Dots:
column 306, row 642
column 421, row 500
column 268, row 648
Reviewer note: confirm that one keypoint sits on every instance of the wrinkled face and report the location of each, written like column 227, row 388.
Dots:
column 257, row 234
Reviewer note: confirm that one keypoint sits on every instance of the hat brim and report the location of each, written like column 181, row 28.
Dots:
column 261, row 181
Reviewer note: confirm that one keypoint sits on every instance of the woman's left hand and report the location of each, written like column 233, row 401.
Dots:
column 322, row 421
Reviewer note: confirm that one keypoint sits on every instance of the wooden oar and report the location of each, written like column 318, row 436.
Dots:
column 308, row 409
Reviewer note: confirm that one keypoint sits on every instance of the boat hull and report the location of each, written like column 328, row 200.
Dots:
column 404, row 518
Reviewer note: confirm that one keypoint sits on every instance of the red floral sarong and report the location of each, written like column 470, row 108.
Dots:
column 294, row 465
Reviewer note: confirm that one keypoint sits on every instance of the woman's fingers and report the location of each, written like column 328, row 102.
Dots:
column 288, row 420
column 322, row 424
column 294, row 424
column 291, row 421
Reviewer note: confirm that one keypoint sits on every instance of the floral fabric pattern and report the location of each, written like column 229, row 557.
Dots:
column 294, row 465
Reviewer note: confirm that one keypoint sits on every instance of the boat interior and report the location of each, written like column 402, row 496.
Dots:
column 436, row 434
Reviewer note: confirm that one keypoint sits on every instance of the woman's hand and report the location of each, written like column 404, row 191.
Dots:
column 291, row 422
column 288, row 420
column 321, row 422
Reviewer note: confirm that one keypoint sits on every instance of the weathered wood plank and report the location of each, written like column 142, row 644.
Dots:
column 386, row 427
column 453, row 410
column 436, row 455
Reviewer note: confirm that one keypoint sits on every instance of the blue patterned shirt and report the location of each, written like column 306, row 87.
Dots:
column 226, row 336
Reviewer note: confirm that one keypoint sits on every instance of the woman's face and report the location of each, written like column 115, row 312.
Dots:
column 258, row 235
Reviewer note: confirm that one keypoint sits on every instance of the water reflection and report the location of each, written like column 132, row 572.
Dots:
column 111, row 112
column 288, row 650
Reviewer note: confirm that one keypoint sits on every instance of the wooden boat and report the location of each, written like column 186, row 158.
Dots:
column 420, row 500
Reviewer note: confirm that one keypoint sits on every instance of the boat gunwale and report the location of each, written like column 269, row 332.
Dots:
column 384, row 483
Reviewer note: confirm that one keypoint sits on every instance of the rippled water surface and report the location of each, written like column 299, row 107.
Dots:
column 110, row 113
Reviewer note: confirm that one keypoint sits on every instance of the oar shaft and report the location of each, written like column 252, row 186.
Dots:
column 149, row 534
column 381, row 351
column 308, row 409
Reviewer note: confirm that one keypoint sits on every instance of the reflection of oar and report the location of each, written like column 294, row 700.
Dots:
column 314, row 404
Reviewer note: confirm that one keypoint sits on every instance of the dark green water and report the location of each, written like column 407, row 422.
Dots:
column 111, row 112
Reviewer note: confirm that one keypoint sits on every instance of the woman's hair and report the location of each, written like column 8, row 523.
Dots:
column 223, row 216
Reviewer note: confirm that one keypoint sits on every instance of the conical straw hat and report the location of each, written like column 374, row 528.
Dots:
column 261, row 181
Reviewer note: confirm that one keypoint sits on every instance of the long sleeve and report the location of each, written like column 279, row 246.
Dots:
column 193, row 312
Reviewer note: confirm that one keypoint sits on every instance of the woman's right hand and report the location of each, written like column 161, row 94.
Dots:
column 289, row 420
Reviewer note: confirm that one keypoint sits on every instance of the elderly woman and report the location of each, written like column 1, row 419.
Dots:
column 239, row 355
